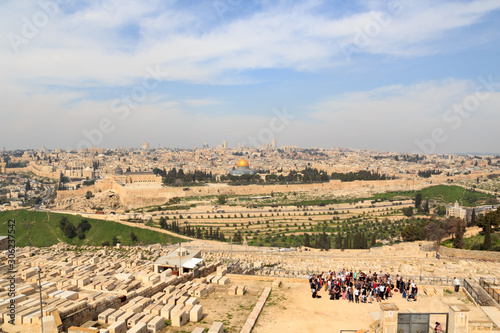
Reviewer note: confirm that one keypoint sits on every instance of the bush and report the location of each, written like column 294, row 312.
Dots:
column 476, row 247
column 495, row 248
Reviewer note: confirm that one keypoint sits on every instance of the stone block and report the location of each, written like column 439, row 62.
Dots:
column 156, row 324
column 223, row 281
column 200, row 292
column 102, row 318
column 165, row 311
column 179, row 318
column 438, row 291
column 217, row 327
column 126, row 316
column 232, row 290
column 221, row 270
column 146, row 319
column 241, row 291
column 114, row 316
column 196, row 313
column 182, row 300
column 118, row 327
column 198, row 330
column 132, row 321
column 192, row 301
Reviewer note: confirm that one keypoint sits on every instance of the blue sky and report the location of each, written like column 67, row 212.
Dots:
column 382, row 75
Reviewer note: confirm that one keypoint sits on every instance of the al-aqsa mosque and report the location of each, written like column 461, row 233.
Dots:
column 242, row 168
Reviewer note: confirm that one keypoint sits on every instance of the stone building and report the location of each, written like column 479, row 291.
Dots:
column 242, row 168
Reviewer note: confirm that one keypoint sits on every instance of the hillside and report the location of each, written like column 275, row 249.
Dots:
column 443, row 194
column 41, row 229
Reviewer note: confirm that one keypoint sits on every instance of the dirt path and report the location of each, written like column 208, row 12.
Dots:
column 163, row 231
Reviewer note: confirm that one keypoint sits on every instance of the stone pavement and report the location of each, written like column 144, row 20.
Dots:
column 493, row 313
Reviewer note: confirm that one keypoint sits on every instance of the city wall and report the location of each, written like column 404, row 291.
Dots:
column 32, row 168
column 469, row 254
column 135, row 196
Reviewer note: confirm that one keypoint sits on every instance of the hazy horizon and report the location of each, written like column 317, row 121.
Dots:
column 402, row 76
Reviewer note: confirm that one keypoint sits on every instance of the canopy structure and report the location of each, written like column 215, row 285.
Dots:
column 192, row 263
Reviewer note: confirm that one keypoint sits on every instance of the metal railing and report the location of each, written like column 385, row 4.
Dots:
column 431, row 280
column 490, row 290
column 472, row 292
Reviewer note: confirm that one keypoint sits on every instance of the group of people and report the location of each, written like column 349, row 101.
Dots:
column 359, row 287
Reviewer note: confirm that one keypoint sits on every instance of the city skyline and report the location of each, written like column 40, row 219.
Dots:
column 400, row 76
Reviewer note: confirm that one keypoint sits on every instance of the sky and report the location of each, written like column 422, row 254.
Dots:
column 412, row 76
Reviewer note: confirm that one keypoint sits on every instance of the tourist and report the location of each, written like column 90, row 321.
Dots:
column 457, row 284
column 438, row 328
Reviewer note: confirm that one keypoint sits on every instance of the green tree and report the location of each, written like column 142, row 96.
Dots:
column 473, row 217
column 346, row 242
column 458, row 242
column 407, row 211
column 338, row 241
column 89, row 195
column 237, row 238
column 435, row 231
column 163, row 223
column 488, row 222
column 69, row 230
column 426, row 207
column 84, row 225
column 307, row 240
column 28, row 186
column 373, row 240
column 221, row 199
column 114, row 240
column 133, row 236
column 441, row 210
column 418, row 200
column 104, row 243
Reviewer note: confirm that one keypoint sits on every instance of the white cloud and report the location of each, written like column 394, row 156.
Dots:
column 112, row 42
column 398, row 116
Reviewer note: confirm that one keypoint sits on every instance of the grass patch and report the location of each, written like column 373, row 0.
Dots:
column 473, row 243
column 41, row 229
column 441, row 193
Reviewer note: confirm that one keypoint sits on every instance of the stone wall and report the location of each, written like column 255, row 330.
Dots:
column 141, row 196
column 469, row 254
column 137, row 196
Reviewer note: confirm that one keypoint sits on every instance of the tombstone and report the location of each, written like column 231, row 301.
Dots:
column 217, row 327
column 198, row 330
column 192, row 301
column 118, row 327
column 134, row 319
column 103, row 316
column 221, row 270
column 179, row 318
column 138, row 328
column 241, row 290
column 223, row 281
column 232, row 290
column 389, row 317
column 458, row 318
column 165, row 311
column 196, row 313
column 156, row 324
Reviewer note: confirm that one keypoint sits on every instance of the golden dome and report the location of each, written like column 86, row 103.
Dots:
column 242, row 163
